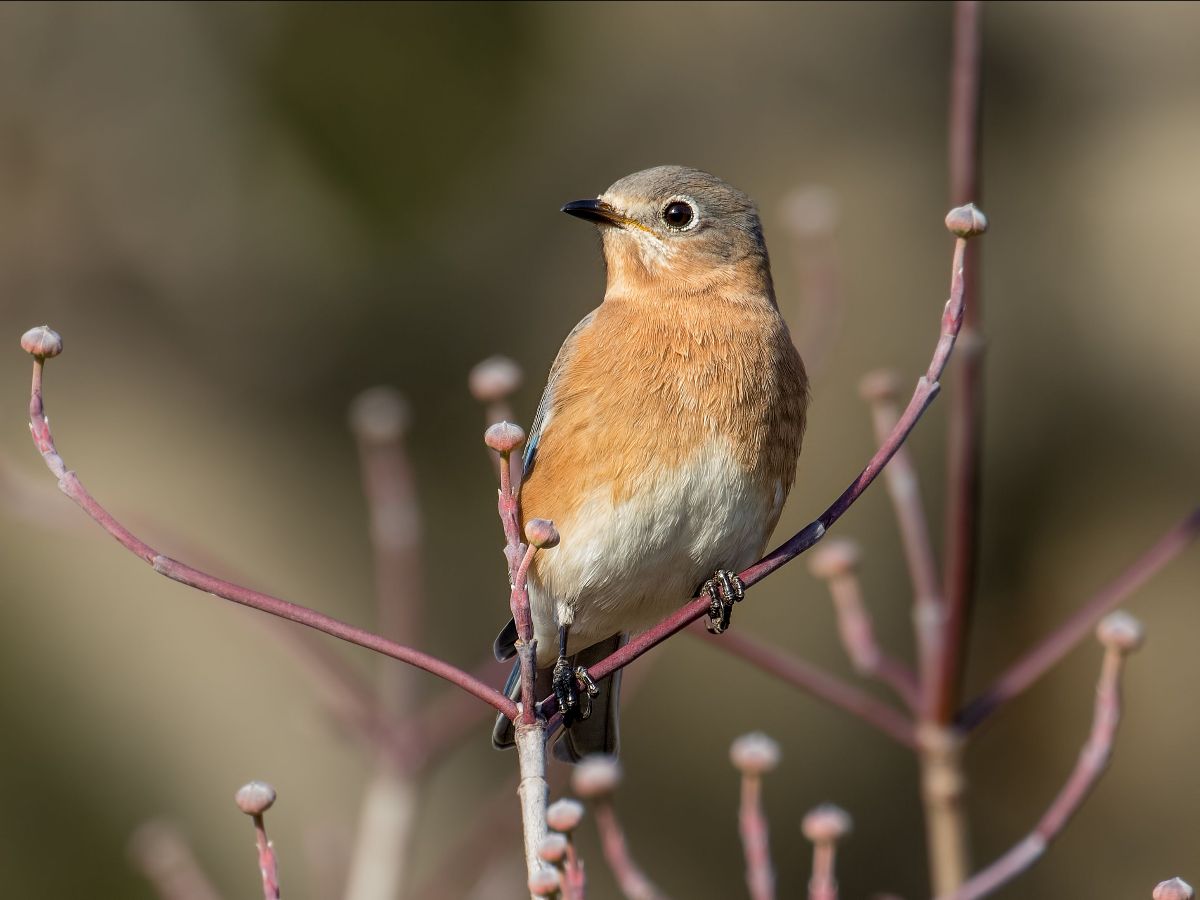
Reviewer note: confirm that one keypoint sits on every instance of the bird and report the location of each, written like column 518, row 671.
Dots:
column 666, row 440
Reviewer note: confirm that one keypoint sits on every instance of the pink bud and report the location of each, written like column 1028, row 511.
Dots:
column 1121, row 632
column 825, row 824
column 545, row 882
column 596, row 776
column 834, row 557
column 553, row 848
column 564, row 815
column 494, row 379
column 43, row 342
column 1174, row 889
column 966, row 221
column 754, row 753
column 504, row 437
column 255, row 798
column 541, row 533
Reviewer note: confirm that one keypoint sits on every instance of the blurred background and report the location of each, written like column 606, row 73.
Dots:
column 239, row 216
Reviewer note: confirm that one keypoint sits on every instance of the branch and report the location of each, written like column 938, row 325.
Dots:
column 882, row 391
column 754, row 755
column 596, row 779
column 965, row 414
column 965, row 222
column 1060, row 642
column 70, row 485
column 164, row 857
column 824, row 826
column 254, row 799
column 819, row 683
column 836, row 564
column 1121, row 634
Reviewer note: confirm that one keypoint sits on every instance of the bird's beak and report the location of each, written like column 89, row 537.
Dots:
column 596, row 211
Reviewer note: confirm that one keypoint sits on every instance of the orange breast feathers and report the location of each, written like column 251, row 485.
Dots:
column 647, row 384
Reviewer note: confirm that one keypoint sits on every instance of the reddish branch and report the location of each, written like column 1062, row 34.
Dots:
column 814, row 680
column 836, row 563
column 966, row 401
column 1058, row 644
column 70, row 485
column 1121, row 634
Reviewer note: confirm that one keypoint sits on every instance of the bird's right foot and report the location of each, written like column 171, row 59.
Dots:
column 724, row 589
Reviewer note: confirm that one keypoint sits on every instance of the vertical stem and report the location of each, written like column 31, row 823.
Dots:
column 965, row 416
column 942, row 780
column 760, row 876
column 532, row 789
column 942, row 788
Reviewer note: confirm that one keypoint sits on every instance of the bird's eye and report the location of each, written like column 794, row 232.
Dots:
column 679, row 215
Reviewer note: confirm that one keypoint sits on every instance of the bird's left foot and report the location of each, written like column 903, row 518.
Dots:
column 724, row 589
column 576, row 705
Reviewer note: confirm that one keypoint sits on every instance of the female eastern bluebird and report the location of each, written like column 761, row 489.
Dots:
column 666, row 440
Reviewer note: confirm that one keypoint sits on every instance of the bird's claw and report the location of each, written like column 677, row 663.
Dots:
column 574, row 704
column 724, row 589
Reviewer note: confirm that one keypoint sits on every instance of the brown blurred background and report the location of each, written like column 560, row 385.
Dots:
column 240, row 215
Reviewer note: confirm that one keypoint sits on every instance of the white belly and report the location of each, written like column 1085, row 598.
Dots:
column 624, row 566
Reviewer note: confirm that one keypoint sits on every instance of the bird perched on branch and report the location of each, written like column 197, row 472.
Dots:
column 666, row 440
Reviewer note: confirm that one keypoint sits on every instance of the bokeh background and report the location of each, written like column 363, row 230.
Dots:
column 239, row 216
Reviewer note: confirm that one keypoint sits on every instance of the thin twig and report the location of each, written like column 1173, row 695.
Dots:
column 70, row 485
column 966, row 401
column 836, row 563
column 824, row 826
column 1093, row 760
column 881, row 390
column 752, row 826
column 631, row 880
column 164, row 857
column 1034, row 664
column 817, row 682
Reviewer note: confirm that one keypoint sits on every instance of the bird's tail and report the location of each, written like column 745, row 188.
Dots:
column 599, row 733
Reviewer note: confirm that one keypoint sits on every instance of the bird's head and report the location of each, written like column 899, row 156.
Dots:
column 679, row 230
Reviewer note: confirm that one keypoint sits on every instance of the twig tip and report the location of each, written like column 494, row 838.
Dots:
column 255, row 798
column 754, row 753
column 42, row 342
column 966, row 221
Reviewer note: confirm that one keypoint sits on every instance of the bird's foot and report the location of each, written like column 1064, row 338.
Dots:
column 575, row 705
column 724, row 589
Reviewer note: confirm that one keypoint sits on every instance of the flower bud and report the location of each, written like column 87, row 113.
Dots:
column 754, row 753
column 43, row 342
column 494, row 379
column 255, row 798
column 1121, row 632
column 596, row 776
column 564, row 815
column 825, row 824
column 553, row 848
column 379, row 414
column 504, row 437
column 545, row 882
column 541, row 533
column 966, row 221
column 1174, row 889
column 834, row 557
column 879, row 386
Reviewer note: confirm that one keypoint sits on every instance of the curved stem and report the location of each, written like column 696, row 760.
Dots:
column 70, row 485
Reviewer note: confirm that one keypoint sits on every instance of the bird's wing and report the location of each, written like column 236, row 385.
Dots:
column 544, row 411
